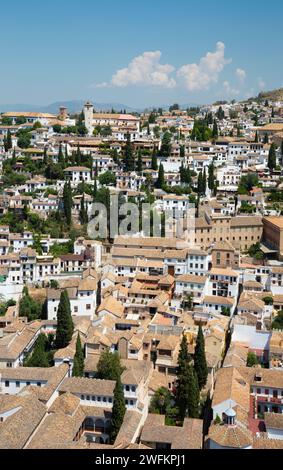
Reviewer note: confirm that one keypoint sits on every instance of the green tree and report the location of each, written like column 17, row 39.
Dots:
column 200, row 364
column 165, row 150
column 277, row 323
column 118, row 410
column 38, row 357
column 9, row 144
column 60, row 156
column 154, row 164
column 272, row 157
column 78, row 367
column 211, row 177
column 28, row 307
column 139, row 162
column 24, row 138
column 215, row 130
column 182, row 378
column 193, row 393
column 107, row 178
column 204, row 182
column 83, row 211
column 129, row 155
column 161, row 178
column 160, row 401
column 252, row 359
column 182, row 151
column 109, row 366
column 67, row 202
column 65, row 326
column 220, row 114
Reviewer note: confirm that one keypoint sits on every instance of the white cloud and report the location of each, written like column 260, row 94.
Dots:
column 229, row 90
column 145, row 69
column 241, row 75
column 200, row 76
column 261, row 83
column 102, row 85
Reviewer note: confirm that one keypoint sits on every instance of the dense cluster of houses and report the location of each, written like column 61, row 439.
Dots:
column 138, row 295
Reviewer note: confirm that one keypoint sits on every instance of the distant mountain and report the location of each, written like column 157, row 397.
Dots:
column 74, row 106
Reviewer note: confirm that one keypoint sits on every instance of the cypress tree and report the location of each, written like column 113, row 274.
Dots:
column 129, row 156
column 165, row 150
column 192, row 393
column 65, row 326
column 199, row 184
column 200, row 364
column 9, row 140
column 66, row 154
column 182, row 151
column 266, row 139
column 67, row 202
column 78, row 156
column 39, row 357
column 182, row 379
column 211, row 178
column 45, row 156
column 154, row 165
column 94, row 190
column 139, row 163
column 60, row 156
column 272, row 157
column 161, row 178
column 215, row 130
column 282, row 148
column 256, row 137
column 83, row 212
column 78, row 368
column 118, row 411
column 204, row 182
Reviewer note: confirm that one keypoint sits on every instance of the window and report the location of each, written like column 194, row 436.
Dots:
column 27, row 384
column 98, row 398
column 266, row 391
column 76, row 309
column 88, row 307
column 7, row 383
column 258, row 390
column 82, row 397
column 127, row 388
column 38, row 384
column 104, row 399
column 17, row 384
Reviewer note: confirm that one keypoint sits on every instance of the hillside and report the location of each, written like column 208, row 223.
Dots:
column 273, row 95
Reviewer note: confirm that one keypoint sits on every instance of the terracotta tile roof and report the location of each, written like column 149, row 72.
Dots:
column 230, row 436
column 273, row 420
column 187, row 437
column 85, row 386
column 18, row 428
column 231, row 385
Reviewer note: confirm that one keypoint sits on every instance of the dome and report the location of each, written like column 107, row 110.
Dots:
column 230, row 413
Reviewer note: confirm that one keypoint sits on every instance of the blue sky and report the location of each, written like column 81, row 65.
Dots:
column 139, row 53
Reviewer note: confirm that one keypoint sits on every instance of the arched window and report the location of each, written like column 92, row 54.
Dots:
column 89, row 424
column 99, row 425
